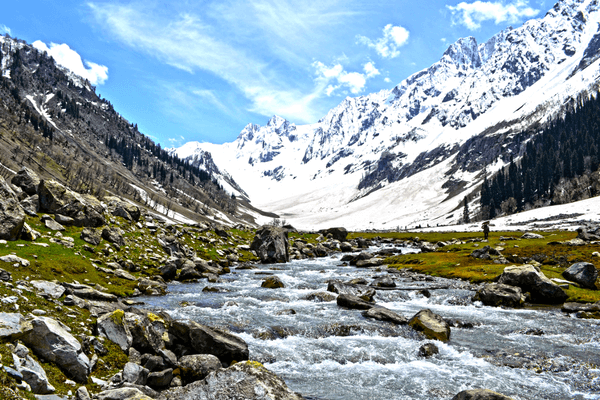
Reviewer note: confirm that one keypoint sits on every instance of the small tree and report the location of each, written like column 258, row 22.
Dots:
column 466, row 218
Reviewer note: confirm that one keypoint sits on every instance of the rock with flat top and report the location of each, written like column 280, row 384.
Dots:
column 531, row 279
column 431, row 325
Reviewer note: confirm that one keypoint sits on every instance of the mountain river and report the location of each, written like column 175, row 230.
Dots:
column 326, row 352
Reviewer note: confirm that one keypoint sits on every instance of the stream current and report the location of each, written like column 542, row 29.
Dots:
column 326, row 352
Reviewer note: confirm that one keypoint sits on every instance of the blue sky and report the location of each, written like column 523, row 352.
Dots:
column 201, row 70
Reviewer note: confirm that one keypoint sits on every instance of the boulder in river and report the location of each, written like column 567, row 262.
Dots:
column 245, row 380
column 272, row 282
column 498, row 294
column 383, row 314
column 271, row 244
column 583, row 273
column 480, row 394
column 428, row 350
column 364, row 292
column 531, row 279
column 431, row 325
column 353, row 302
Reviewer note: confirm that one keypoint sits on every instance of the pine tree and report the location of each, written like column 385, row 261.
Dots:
column 466, row 218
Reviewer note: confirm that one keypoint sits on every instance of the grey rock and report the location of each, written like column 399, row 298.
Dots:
column 55, row 198
column 320, row 297
column 431, row 325
column 82, row 394
column 161, row 379
column 91, row 236
column 428, row 349
column 384, row 281
column 31, row 205
column 583, row 273
column 31, row 370
column 113, row 327
column 189, row 273
column 531, row 235
column 151, row 288
column 124, row 209
column 336, row 233
column 383, row 314
column 365, row 293
column 124, row 275
column 271, row 244
column 353, row 302
column 125, row 393
column 480, row 394
column 27, row 180
column 530, row 279
column 53, row 225
column 12, row 216
column 244, row 380
column 13, row 325
column 64, row 220
column 205, row 340
column 134, row 373
column 50, row 340
column 13, row 259
column 113, row 235
column 49, row 289
column 498, row 294
column 197, row 366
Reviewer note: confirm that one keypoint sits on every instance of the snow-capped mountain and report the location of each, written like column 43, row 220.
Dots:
column 408, row 156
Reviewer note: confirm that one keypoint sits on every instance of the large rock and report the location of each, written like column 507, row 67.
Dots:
column 125, row 393
column 431, row 325
column 353, row 302
column 383, row 314
column 271, row 244
column 135, row 373
column 57, row 199
column 31, row 205
column 151, row 287
column 12, row 216
column 204, row 340
column 112, row 326
column 31, row 370
column 121, row 208
column 196, row 367
column 530, row 279
column 245, row 380
column 113, row 235
column 27, row 180
column 583, row 273
column 12, row 325
column 336, row 233
column 364, row 292
column 272, row 282
column 480, row 394
column 148, row 331
column 48, row 289
column 91, row 236
column 497, row 294
column 50, row 340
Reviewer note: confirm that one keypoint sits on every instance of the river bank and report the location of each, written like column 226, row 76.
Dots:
column 125, row 269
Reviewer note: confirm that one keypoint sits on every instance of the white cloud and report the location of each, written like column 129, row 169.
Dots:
column 5, row 29
column 70, row 59
column 387, row 80
column 189, row 43
column 387, row 46
column 473, row 14
column 335, row 77
column 370, row 69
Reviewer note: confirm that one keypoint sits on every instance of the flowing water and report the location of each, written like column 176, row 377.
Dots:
column 326, row 352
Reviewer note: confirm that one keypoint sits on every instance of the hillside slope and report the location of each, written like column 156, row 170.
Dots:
column 408, row 156
column 53, row 122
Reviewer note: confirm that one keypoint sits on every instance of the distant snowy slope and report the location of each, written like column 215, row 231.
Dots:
column 407, row 156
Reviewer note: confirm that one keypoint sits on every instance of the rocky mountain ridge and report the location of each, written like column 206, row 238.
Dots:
column 475, row 107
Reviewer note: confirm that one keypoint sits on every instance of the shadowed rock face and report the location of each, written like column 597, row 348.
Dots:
column 271, row 245
column 12, row 216
column 497, row 294
column 57, row 199
column 27, row 180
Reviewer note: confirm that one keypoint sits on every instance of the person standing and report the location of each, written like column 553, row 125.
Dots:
column 486, row 231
